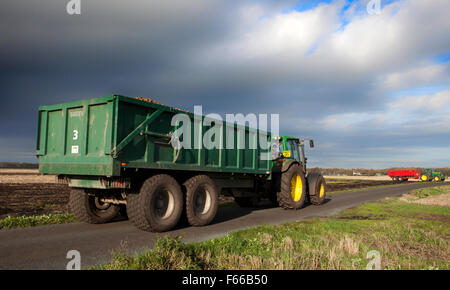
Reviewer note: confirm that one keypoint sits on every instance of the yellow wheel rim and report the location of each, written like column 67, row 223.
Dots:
column 424, row 178
column 296, row 187
column 436, row 178
column 322, row 190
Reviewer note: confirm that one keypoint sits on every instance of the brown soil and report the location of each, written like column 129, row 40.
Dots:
column 18, row 197
column 340, row 185
column 381, row 177
column 32, row 199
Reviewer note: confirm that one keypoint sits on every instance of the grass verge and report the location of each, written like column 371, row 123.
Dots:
column 31, row 221
column 407, row 236
column 426, row 192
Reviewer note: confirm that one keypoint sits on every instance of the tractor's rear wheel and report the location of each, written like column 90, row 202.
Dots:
column 316, row 188
column 202, row 200
column 292, row 193
column 424, row 178
column 158, row 206
column 89, row 208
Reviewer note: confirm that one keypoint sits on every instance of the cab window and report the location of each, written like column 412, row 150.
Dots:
column 292, row 146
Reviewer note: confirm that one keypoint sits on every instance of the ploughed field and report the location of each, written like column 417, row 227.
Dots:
column 25, row 192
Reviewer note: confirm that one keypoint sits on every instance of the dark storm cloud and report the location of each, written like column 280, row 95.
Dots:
column 118, row 47
column 229, row 56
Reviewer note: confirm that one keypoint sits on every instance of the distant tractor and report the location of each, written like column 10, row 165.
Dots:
column 431, row 175
column 425, row 175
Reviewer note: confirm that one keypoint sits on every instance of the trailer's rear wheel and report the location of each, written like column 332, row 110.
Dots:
column 293, row 188
column 316, row 188
column 89, row 209
column 202, row 200
column 158, row 206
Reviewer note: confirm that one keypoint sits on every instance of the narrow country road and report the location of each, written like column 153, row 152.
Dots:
column 46, row 247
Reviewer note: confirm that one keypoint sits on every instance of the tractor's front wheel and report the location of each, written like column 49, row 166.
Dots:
column 292, row 193
column 436, row 179
column 316, row 188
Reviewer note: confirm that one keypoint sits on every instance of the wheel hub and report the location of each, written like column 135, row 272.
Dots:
column 163, row 204
column 296, row 187
column 100, row 205
column 202, row 202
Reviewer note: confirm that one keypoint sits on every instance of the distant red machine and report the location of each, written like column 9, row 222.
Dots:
column 404, row 175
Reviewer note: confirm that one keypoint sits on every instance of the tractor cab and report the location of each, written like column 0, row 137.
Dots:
column 292, row 148
column 291, row 181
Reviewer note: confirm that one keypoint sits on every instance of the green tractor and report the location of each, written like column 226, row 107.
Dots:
column 431, row 175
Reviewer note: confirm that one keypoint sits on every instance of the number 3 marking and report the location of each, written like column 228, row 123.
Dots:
column 75, row 134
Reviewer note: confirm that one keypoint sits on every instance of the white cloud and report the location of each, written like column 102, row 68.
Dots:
column 438, row 103
column 416, row 77
column 428, row 114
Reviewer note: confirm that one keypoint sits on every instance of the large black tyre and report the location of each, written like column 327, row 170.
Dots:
column 87, row 208
column 158, row 206
column 424, row 178
column 292, row 193
column 202, row 200
column 317, row 188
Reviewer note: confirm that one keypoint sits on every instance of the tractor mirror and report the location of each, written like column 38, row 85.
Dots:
column 311, row 143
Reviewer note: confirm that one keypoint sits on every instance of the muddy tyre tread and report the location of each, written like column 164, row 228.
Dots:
column 136, row 203
column 284, row 196
column 190, row 184
column 314, row 180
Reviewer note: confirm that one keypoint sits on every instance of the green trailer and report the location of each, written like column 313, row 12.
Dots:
column 118, row 154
